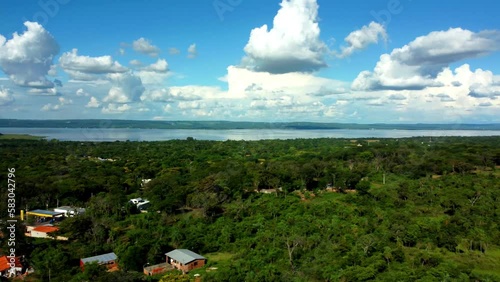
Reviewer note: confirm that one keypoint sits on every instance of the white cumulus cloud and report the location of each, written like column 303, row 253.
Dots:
column 85, row 67
column 144, row 46
column 116, row 109
column 126, row 88
column 360, row 39
column 6, row 97
column 247, row 83
column 160, row 66
column 293, row 44
column 93, row 103
column 81, row 93
column 27, row 58
column 50, row 107
column 417, row 64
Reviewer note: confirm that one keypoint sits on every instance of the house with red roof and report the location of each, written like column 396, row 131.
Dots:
column 5, row 266
column 43, row 231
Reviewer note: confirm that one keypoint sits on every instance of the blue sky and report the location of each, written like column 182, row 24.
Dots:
column 393, row 61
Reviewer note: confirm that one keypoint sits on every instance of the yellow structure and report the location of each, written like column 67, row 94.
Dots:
column 44, row 213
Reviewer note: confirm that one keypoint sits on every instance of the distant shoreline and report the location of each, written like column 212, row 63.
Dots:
column 20, row 137
column 225, row 125
column 139, row 134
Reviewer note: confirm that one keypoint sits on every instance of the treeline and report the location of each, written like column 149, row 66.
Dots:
column 147, row 124
column 423, row 208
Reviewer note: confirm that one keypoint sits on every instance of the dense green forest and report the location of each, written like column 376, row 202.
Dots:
column 415, row 209
column 107, row 123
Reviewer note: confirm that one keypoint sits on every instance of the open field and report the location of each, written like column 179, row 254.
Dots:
column 20, row 137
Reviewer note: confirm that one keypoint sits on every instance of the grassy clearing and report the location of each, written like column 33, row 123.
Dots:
column 214, row 262
column 193, row 213
column 326, row 196
column 488, row 171
column 489, row 264
column 20, row 137
column 486, row 266
column 219, row 257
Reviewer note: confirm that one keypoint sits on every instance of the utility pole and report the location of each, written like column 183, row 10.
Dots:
column 384, row 179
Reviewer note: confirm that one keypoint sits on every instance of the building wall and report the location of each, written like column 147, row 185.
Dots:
column 196, row 264
column 190, row 266
column 111, row 264
column 156, row 269
column 38, row 234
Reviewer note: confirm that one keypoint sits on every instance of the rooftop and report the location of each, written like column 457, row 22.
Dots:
column 184, row 256
column 4, row 263
column 64, row 208
column 100, row 258
column 44, row 213
column 68, row 208
column 46, row 229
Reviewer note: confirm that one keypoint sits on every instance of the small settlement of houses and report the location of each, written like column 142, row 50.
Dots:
column 41, row 223
column 38, row 224
column 180, row 259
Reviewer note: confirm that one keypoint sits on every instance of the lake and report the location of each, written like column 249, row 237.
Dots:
column 137, row 134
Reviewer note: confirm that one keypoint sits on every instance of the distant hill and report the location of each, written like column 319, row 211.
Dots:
column 106, row 123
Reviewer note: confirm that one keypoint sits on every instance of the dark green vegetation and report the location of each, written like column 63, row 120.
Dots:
column 436, row 218
column 82, row 123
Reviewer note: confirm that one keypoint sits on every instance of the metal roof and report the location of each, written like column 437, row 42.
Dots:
column 100, row 259
column 43, row 213
column 184, row 256
column 69, row 209
column 66, row 208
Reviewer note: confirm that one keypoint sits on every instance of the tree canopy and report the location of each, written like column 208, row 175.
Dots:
column 412, row 209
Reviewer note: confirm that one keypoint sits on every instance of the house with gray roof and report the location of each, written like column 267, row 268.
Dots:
column 109, row 260
column 185, row 260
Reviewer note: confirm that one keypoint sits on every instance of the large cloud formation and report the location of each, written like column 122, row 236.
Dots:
column 293, row 44
column 416, row 65
column 126, row 88
column 27, row 58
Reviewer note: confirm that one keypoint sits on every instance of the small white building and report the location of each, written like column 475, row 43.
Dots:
column 43, row 231
column 69, row 211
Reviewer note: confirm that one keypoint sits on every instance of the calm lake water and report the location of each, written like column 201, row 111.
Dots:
column 136, row 134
